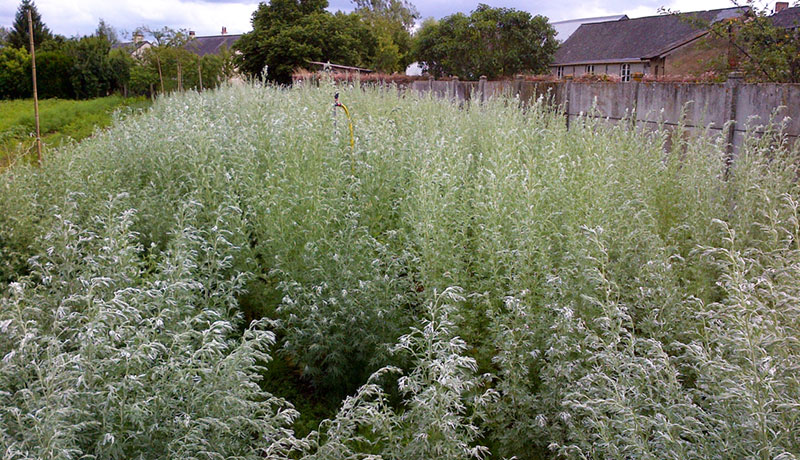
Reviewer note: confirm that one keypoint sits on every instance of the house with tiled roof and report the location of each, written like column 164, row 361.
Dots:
column 135, row 48
column 627, row 46
column 564, row 29
column 211, row 44
column 785, row 17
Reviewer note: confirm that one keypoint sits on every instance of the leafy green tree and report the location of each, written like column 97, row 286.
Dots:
column 391, row 22
column 92, row 73
column 769, row 52
column 15, row 81
column 54, row 71
column 172, row 63
column 120, row 63
column 143, row 79
column 3, row 35
column 490, row 41
column 289, row 33
column 19, row 37
column 765, row 47
column 107, row 31
column 443, row 47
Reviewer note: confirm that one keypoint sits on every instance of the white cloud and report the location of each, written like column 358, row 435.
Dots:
column 80, row 17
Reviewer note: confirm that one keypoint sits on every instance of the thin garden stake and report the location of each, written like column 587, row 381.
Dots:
column 35, row 92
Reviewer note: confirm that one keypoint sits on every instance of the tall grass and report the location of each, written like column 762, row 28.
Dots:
column 62, row 121
column 605, row 297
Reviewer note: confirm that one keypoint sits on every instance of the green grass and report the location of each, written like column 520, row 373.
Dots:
column 61, row 121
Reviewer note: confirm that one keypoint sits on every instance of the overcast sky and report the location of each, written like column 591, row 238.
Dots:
column 206, row 17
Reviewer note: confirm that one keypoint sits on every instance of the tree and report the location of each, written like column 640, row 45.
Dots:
column 19, row 37
column 3, row 35
column 391, row 22
column 106, row 31
column 289, row 33
column 15, row 70
column 769, row 51
column 490, row 41
column 54, row 71
column 765, row 47
column 92, row 72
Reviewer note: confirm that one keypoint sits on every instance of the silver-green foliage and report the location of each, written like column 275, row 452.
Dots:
column 631, row 297
column 107, row 357
column 443, row 399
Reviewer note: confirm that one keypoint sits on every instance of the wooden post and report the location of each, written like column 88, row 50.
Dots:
column 35, row 92
column 482, row 87
column 200, row 73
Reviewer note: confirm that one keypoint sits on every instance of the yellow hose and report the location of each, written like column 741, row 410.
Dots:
column 350, row 125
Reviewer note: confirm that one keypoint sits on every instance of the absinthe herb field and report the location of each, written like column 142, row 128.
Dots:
column 468, row 282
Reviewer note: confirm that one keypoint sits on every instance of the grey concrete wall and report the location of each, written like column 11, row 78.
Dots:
column 698, row 106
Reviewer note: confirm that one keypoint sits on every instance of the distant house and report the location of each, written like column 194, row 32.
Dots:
column 135, row 48
column 627, row 46
column 788, row 18
column 211, row 44
column 564, row 29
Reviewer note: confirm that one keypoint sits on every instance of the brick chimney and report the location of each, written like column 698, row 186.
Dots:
column 138, row 37
column 191, row 34
column 780, row 6
column 225, row 29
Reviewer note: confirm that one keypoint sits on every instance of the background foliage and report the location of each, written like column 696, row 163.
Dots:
column 495, row 42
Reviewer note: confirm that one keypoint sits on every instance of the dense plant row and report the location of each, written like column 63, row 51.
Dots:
column 467, row 281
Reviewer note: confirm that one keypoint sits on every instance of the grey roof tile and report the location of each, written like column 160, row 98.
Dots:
column 635, row 38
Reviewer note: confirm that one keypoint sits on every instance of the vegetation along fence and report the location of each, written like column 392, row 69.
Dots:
column 696, row 106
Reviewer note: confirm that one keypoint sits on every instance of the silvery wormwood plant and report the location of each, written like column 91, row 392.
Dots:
column 105, row 357
column 442, row 400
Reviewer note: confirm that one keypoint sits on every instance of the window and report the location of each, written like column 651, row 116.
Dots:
column 560, row 71
column 590, row 69
column 625, row 72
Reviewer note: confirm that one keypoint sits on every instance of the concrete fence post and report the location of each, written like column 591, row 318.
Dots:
column 732, row 95
column 518, row 85
column 482, row 87
column 455, row 88
column 567, row 87
column 430, row 85
column 635, row 104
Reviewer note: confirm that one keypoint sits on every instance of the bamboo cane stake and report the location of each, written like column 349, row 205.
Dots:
column 35, row 92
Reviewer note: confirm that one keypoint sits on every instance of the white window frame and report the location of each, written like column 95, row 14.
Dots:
column 560, row 71
column 590, row 69
column 625, row 72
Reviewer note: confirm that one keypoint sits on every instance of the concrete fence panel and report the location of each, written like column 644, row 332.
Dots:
column 698, row 106
column 758, row 105
column 606, row 100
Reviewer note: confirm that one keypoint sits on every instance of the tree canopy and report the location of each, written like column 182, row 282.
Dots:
column 770, row 52
column 19, row 37
column 391, row 21
column 495, row 42
column 289, row 33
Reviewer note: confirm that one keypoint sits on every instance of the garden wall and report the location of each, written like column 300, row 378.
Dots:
column 698, row 106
